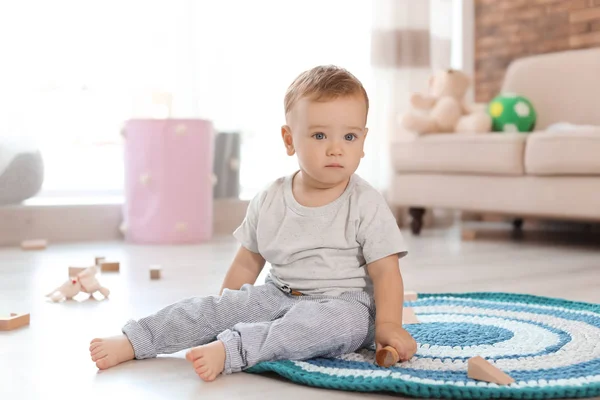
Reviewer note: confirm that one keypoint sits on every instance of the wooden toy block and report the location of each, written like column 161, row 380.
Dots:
column 481, row 370
column 99, row 260
column 74, row 271
column 468, row 234
column 155, row 272
column 35, row 244
column 14, row 321
column 409, row 316
column 387, row 357
column 109, row 266
column 410, row 296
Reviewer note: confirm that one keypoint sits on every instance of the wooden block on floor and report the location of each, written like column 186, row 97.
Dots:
column 387, row 357
column 109, row 266
column 410, row 296
column 468, row 234
column 481, row 370
column 155, row 272
column 14, row 321
column 409, row 316
column 34, row 244
column 99, row 260
column 74, row 271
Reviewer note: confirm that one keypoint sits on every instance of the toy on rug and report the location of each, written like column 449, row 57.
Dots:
column 444, row 110
column 512, row 113
column 387, row 356
column 85, row 282
column 475, row 346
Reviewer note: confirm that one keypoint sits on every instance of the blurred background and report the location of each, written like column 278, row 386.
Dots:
column 74, row 71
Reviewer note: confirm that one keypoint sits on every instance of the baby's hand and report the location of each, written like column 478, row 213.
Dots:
column 393, row 334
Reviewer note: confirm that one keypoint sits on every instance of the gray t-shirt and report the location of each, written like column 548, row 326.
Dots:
column 321, row 250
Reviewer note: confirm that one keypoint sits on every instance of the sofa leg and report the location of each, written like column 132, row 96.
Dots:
column 416, row 223
column 517, row 224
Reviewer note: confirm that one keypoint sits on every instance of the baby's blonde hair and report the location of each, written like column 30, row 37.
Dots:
column 325, row 82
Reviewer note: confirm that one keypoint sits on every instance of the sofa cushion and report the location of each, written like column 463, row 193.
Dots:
column 491, row 153
column 563, row 153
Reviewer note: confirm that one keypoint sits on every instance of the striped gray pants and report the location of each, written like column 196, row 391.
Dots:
column 258, row 323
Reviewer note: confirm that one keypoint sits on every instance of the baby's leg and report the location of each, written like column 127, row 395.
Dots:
column 188, row 323
column 325, row 328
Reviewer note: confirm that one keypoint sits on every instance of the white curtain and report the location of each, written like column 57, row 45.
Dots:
column 410, row 39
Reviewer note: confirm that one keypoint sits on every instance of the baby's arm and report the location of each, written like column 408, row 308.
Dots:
column 389, row 297
column 245, row 268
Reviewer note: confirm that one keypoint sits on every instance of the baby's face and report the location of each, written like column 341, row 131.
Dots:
column 328, row 137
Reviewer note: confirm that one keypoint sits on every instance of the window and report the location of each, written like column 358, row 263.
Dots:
column 78, row 69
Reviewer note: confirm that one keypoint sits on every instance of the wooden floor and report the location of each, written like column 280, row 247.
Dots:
column 50, row 357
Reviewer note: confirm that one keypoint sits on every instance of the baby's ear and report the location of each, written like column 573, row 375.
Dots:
column 288, row 140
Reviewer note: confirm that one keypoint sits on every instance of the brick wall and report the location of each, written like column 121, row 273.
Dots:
column 510, row 29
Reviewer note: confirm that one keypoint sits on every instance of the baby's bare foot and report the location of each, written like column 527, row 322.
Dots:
column 208, row 360
column 111, row 351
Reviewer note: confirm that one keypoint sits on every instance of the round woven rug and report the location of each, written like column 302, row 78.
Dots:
column 551, row 347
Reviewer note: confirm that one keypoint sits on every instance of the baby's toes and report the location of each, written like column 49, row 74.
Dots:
column 193, row 354
column 208, row 376
column 103, row 363
column 99, row 354
column 199, row 363
column 201, row 370
column 95, row 345
column 96, row 350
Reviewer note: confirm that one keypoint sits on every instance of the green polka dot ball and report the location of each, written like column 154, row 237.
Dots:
column 512, row 113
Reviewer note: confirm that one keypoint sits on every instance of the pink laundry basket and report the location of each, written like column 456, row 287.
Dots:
column 168, row 181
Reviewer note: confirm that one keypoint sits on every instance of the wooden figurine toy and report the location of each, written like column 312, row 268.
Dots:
column 74, row 271
column 85, row 282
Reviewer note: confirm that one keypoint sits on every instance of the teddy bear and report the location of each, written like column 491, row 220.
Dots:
column 444, row 110
column 85, row 282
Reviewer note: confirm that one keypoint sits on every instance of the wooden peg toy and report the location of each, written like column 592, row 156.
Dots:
column 410, row 296
column 409, row 316
column 155, row 272
column 481, row 370
column 109, row 266
column 74, row 271
column 387, row 357
column 14, row 321
column 34, row 244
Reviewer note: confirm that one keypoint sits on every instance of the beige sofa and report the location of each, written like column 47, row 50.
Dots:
column 545, row 174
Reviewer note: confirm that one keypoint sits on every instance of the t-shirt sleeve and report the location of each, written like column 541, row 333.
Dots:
column 246, row 232
column 378, row 231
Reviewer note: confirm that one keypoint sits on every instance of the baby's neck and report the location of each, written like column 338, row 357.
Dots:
column 311, row 193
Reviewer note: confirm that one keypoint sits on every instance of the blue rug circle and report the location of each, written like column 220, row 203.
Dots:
column 549, row 346
column 448, row 334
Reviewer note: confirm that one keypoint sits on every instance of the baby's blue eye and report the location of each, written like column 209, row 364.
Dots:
column 319, row 136
column 350, row 137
